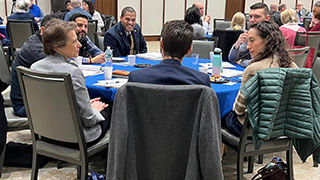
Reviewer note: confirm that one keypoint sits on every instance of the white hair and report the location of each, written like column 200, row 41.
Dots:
column 76, row 3
column 23, row 4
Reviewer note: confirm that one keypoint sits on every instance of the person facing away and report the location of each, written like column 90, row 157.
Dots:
column 76, row 4
column 193, row 18
column 175, row 43
column 238, row 22
column 239, row 52
column 22, row 13
column 88, row 49
column 125, row 37
column 277, row 15
column 30, row 52
column 205, row 19
column 60, row 44
column 267, row 47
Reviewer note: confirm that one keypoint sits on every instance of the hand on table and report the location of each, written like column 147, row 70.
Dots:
column 242, row 38
column 99, row 59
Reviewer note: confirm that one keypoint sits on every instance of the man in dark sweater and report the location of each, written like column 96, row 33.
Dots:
column 31, row 51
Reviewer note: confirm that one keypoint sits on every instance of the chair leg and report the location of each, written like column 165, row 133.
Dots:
column 35, row 165
column 2, row 159
column 290, row 162
column 78, row 171
column 315, row 164
column 250, row 164
column 260, row 159
column 59, row 164
column 84, row 171
column 240, row 160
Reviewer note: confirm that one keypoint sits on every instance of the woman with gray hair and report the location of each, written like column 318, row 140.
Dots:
column 290, row 26
column 22, row 13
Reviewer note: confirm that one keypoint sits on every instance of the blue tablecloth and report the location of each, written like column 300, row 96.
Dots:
column 226, row 93
column 3, row 30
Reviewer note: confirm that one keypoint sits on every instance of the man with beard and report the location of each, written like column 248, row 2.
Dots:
column 88, row 49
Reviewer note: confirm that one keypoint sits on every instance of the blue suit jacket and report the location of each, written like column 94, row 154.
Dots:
column 117, row 39
column 169, row 72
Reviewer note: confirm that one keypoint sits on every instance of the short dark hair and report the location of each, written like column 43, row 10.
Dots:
column 260, row 6
column 77, row 15
column 177, row 38
column 192, row 15
column 127, row 9
column 55, row 35
column 317, row 4
column 67, row 1
column 91, row 6
column 47, row 18
column 281, row 6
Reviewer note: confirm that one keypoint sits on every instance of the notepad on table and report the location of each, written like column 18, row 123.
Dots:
column 224, row 65
column 151, row 56
column 113, row 83
column 90, row 70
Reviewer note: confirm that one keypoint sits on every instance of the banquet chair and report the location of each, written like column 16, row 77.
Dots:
column 311, row 39
column 306, row 22
column 202, row 47
column 300, row 56
column 99, row 40
column 5, row 75
column 92, row 28
column 158, row 133
column 227, row 39
column 316, row 68
column 19, row 31
column 45, row 94
column 108, row 21
column 221, row 24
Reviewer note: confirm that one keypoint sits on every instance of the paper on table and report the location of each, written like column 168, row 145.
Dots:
column 90, row 70
column 224, row 65
column 229, row 72
column 151, row 56
column 113, row 83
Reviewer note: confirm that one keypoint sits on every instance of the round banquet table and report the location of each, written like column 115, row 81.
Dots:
column 226, row 93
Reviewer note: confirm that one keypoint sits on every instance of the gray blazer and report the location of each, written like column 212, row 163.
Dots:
column 90, row 117
column 198, row 30
column 165, row 132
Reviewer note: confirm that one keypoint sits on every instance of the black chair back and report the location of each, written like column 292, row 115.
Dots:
column 226, row 39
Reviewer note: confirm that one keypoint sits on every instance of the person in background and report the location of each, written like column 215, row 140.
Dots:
column 301, row 12
column 175, row 43
column 316, row 4
column 69, row 7
column 60, row 44
column 268, row 49
column 22, row 13
column 30, row 52
column 239, row 52
column 290, row 26
column 88, row 49
column 205, row 19
column 88, row 6
column 36, row 11
column 276, row 16
column 315, row 21
column 76, row 4
column 238, row 22
column 125, row 37
column 273, row 8
column 193, row 18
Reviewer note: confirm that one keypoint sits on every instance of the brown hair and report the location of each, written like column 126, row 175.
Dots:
column 316, row 12
column 55, row 35
column 275, row 43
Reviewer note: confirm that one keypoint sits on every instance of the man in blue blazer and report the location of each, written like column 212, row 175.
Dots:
column 125, row 37
column 175, row 43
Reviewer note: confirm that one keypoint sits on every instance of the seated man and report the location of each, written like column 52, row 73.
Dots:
column 125, row 37
column 36, row 11
column 258, row 12
column 205, row 19
column 31, row 51
column 76, row 4
column 175, row 43
column 88, row 49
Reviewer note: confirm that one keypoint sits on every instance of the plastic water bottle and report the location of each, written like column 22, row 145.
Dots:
column 108, row 57
column 217, row 61
column 108, row 66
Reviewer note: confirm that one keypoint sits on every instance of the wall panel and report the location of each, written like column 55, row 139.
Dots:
column 45, row 6
column 174, row 9
column 152, row 8
column 2, row 8
column 248, row 4
column 289, row 3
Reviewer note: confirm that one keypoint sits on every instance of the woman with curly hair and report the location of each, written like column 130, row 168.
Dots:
column 88, row 6
column 267, row 47
column 193, row 17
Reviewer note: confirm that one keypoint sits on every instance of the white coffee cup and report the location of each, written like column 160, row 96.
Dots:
column 78, row 60
column 203, row 69
column 131, row 60
column 107, row 73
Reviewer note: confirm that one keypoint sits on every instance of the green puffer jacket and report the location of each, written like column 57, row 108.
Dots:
column 285, row 102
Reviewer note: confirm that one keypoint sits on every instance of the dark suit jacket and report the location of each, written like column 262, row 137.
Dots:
column 169, row 72
column 24, row 16
column 3, row 120
column 117, row 39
